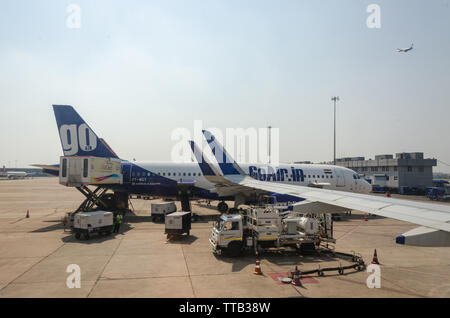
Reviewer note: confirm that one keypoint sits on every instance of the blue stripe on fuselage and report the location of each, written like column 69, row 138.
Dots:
column 138, row 180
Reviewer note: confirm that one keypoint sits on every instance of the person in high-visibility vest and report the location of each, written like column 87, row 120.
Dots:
column 118, row 223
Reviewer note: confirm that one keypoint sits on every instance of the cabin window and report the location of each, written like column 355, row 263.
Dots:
column 193, row 174
column 64, row 168
column 164, row 173
column 85, row 168
column 168, row 174
column 184, row 173
column 189, row 174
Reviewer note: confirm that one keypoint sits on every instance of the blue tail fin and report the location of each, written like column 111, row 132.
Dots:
column 206, row 167
column 226, row 162
column 77, row 138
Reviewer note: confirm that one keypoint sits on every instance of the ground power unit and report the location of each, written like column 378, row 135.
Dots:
column 87, row 223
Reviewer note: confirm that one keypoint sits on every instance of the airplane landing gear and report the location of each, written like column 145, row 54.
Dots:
column 222, row 207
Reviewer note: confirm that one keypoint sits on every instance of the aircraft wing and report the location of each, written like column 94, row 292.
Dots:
column 50, row 169
column 431, row 215
column 434, row 217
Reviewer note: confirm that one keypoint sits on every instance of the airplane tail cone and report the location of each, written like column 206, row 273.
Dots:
column 257, row 270
column 375, row 258
column 28, row 214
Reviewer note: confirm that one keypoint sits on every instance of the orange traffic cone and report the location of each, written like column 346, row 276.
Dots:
column 365, row 217
column 296, row 279
column 28, row 214
column 388, row 194
column 375, row 258
column 257, row 270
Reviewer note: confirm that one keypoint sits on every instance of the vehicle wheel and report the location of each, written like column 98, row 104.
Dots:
column 77, row 236
column 222, row 207
column 86, row 236
column 233, row 249
column 188, row 233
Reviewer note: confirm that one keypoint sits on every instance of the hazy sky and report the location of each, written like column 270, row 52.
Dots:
column 136, row 70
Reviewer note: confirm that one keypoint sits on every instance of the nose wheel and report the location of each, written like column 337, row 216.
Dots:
column 222, row 207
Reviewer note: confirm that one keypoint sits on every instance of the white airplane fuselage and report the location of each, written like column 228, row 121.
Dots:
column 326, row 176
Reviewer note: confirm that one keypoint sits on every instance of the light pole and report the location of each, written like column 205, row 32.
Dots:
column 334, row 99
column 270, row 140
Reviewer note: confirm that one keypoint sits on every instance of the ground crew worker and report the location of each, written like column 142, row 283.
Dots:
column 118, row 222
column 64, row 221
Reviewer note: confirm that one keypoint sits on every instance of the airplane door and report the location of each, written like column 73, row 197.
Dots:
column 340, row 179
column 126, row 172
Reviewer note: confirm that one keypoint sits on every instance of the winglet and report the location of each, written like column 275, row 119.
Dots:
column 226, row 162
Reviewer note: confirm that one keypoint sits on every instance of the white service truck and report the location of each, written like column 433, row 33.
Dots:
column 265, row 228
column 161, row 209
column 87, row 223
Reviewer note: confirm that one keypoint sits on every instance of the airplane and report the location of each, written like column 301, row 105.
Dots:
column 162, row 178
column 434, row 219
column 404, row 50
column 16, row 174
column 13, row 174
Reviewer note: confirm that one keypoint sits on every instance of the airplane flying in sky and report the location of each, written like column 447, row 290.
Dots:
column 404, row 50
column 433, row 218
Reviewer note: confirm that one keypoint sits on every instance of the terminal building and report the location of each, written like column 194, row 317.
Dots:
column 408, row 170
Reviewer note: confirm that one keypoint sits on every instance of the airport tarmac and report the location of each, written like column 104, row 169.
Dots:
column 139, row 262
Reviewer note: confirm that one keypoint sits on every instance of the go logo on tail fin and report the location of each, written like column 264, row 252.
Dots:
column 73, row 139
